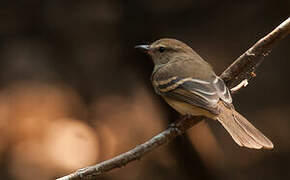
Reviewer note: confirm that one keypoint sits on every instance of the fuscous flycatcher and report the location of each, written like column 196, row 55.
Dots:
column 190, row 86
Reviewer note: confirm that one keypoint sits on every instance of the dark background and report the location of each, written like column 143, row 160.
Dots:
column 74, row 91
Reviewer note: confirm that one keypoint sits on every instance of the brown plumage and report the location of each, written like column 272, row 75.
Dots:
column 190, row 86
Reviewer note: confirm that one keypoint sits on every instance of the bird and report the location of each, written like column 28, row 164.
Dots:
column 190, row 86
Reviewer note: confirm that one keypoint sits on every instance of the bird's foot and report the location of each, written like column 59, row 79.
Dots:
column 186, row 117
column 175, row 127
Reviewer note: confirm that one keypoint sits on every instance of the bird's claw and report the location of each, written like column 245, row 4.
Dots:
column 186, row 117
column 174, row 126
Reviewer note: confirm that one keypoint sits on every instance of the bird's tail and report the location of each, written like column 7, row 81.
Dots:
column 241, row 130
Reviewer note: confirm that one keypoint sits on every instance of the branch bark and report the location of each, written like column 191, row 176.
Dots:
column 244, row 67
column 241, row 69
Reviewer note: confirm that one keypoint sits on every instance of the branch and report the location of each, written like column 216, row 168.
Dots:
column 135, row 154
column 242, row 68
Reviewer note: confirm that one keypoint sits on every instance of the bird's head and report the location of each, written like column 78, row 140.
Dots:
column 165, row 50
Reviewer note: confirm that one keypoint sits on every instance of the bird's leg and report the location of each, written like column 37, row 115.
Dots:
column 184, row 122
column 186, row 117
column 176, row 125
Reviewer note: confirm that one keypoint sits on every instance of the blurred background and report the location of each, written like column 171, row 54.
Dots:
column 74, row 91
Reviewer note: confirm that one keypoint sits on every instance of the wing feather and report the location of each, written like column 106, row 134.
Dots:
column 195, row 92
column 177, row 81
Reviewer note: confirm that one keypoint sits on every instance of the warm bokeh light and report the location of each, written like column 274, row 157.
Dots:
column 127, row 117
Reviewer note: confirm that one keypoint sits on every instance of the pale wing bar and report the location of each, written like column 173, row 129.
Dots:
column 193, row 91
column 199, row 92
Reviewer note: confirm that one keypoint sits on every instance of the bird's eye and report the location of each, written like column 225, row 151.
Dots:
column 161, row 49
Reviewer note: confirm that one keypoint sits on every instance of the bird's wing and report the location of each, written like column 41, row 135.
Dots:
column 201, row 93
column 222, row 90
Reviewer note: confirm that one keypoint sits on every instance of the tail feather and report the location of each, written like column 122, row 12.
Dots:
column 242, row 131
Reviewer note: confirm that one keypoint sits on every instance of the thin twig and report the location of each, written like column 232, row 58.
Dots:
column 244, row 83
column 242, row 68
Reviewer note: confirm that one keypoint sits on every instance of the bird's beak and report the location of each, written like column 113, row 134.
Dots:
column 144, row 48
